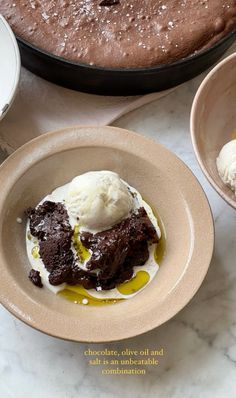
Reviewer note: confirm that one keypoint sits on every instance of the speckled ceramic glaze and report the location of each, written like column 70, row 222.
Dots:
column 213, row 121
column 164, row 181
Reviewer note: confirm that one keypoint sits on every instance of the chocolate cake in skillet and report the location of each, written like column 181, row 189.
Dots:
column 121, row 33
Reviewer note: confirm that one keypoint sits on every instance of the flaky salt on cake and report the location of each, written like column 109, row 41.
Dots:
column 118, row 33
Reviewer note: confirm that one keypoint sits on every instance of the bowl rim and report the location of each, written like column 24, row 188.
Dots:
column 157, row 68
column 193, row 117
column 12, row 94
column 111, row 137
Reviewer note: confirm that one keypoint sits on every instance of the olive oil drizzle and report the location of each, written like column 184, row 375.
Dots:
column 35, row 252
column 79, row 295
column 134, row 284
column 81, row 251
column 234, row 135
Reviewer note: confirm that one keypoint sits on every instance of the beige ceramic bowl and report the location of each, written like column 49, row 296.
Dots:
column 166, row 183
column 213, row 121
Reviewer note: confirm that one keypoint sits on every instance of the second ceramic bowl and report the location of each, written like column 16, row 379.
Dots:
column 165, row 182
column 213, row 121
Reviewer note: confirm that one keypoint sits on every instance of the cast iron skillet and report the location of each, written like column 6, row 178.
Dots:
column 107, row 81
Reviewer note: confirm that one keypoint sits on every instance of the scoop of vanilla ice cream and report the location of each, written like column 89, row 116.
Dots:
column 226, row 164
column 98, row 199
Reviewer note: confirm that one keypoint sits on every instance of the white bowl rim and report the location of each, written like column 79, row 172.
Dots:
column 11, row 94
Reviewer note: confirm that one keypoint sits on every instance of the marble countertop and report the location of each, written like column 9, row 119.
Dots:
column 199, row 343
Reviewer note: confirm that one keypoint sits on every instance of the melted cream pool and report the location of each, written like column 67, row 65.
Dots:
column 143, row 275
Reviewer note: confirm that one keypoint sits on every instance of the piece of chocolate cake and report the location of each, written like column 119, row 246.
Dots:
column 114, row 252
column 35, row 278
